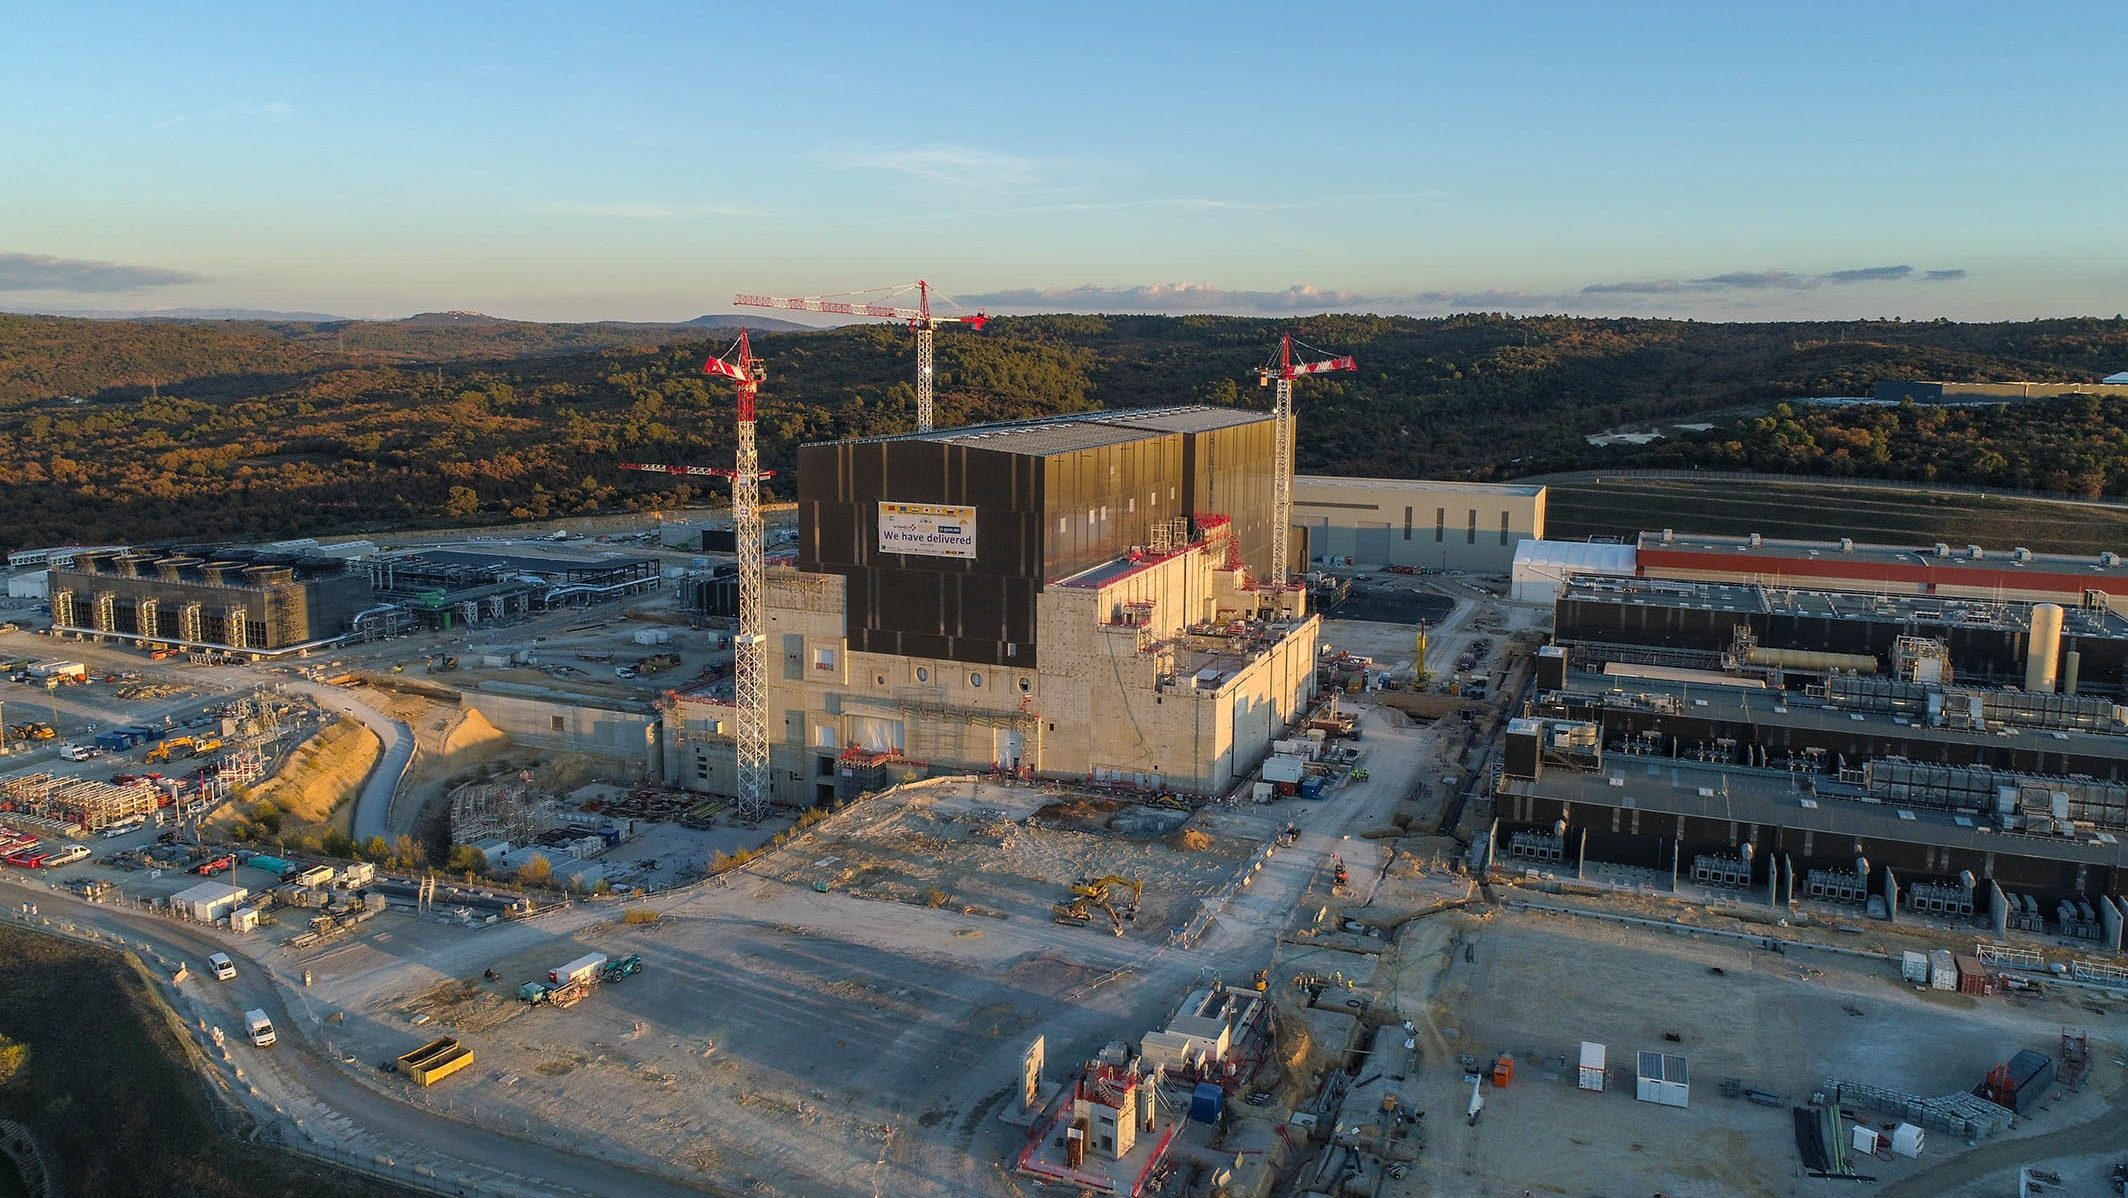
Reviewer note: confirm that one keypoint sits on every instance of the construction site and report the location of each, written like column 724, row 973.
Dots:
column 1054, row 814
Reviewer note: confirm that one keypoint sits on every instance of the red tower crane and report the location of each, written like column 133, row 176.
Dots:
column 920, row 319
column 1282, row 461
column 750, row 647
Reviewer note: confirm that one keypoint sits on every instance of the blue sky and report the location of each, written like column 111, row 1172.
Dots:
column 555, row 162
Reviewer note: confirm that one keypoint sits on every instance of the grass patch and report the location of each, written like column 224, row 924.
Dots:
column 109, row 1091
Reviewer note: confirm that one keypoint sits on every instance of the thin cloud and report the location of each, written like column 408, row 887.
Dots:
column 955, row 165
column 1182, row 299
column 647, row 210
column 1777, row 280
column 1870, row 274
column 1774, row 280
column 44, row 272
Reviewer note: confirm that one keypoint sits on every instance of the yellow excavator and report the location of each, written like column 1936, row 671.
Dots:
column 33, row 732
column 1079, row 912
column 1107, row 892
column 161, row 752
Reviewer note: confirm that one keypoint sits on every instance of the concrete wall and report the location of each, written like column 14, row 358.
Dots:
column 627, row 736
column 1407, row 522
column 1107, row 703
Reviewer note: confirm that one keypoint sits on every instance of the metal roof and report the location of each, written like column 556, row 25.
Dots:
column 1041, row 436
column 1451, row 486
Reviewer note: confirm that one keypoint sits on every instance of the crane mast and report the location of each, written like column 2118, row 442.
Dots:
column 920, row 319
column 750, row 647
column 1282, row 456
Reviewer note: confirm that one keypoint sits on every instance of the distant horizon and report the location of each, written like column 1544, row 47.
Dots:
column 818, row 323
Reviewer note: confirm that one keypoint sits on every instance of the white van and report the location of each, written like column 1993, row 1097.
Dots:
column 223, row 968
column 258, row 1027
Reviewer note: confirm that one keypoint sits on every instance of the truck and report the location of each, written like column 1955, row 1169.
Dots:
column 583, row 969
column 67, row 856
column 258, row 1027
column 657, row 663
column 72, row 671
column 435, row 1060
column 73, row 752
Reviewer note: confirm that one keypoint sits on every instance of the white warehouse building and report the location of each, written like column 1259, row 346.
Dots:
column 1377, row 522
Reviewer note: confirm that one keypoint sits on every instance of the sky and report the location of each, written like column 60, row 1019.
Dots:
column 646, row 161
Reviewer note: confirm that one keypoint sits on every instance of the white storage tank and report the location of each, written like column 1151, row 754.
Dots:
column 2043, row 650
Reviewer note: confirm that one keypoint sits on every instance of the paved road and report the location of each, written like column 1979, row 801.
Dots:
column 373, row 807
column 298, row 1079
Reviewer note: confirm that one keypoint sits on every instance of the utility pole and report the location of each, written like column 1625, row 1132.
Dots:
column 1282, row 457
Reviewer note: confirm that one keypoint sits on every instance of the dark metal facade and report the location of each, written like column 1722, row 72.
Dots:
column 1052, row 497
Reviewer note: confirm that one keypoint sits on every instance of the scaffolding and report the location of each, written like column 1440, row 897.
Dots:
column 511, row 811
column 78, row 801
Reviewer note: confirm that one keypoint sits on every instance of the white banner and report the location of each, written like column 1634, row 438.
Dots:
column 929, row 529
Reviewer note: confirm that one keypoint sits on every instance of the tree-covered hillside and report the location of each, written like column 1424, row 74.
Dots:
column 141, row 431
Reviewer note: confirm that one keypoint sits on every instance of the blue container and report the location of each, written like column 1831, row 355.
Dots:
column 276, row 866
column 1311, row 788
column 1207, row 1102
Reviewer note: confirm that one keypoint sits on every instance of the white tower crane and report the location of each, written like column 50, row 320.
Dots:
column 919, row 318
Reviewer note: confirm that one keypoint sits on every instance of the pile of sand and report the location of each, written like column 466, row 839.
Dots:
column 1189, row 840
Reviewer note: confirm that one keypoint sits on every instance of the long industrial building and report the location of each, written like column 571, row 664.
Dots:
column 1379, row 522
column 247, row 601
column 1900, row 755
column 1072, row 597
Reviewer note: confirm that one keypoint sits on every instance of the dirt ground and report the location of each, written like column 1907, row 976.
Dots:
column 1536, row 985
column 1013, row 852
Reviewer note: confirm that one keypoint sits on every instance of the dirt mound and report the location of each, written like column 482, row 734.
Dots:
column 474, row 737
column 325, row 772
column 1082, row 811
column 1189, row 840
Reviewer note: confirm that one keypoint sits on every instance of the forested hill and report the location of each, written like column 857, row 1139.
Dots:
column 145, row 430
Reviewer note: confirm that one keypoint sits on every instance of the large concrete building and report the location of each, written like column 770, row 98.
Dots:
column 245, row 601
column 1377, row 522
column 1066, row 597
column 1898, row 391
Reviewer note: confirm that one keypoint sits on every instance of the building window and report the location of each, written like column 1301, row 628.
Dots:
column 1503, row 528
column 824, row 766
column 1026, row 684
column 1440, row 524
column 557, row 723
column 1407, row 523
column 975, row 679
column 824, row 659
column 1472, row 537
column 1011, row 649
column 879, row 680
column 823, row 736
column 1130, row 505
column 923, row 673
column 1063, row 525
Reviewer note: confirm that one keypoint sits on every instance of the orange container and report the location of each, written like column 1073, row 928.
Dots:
column 1504, row 1070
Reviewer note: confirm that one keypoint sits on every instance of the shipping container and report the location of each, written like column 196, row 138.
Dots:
column 1592, row 1065
column 1914, row 967
column 1943, row 970
column 1973, row 976
column 275, row 866
column 584, row 968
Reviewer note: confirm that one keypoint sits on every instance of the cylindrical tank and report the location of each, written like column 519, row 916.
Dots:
column 2043, row 651
column 218, row 574
column 269, row 576
column 1811, row 659
column 172, row 569
column 2072, row 669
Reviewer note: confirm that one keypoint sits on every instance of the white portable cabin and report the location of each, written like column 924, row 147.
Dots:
column 1664, row 1079
column 1592, row 1065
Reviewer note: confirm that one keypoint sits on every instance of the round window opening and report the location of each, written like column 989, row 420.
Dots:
column 975, row 680
column 1026, row 684
column 923, row 674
